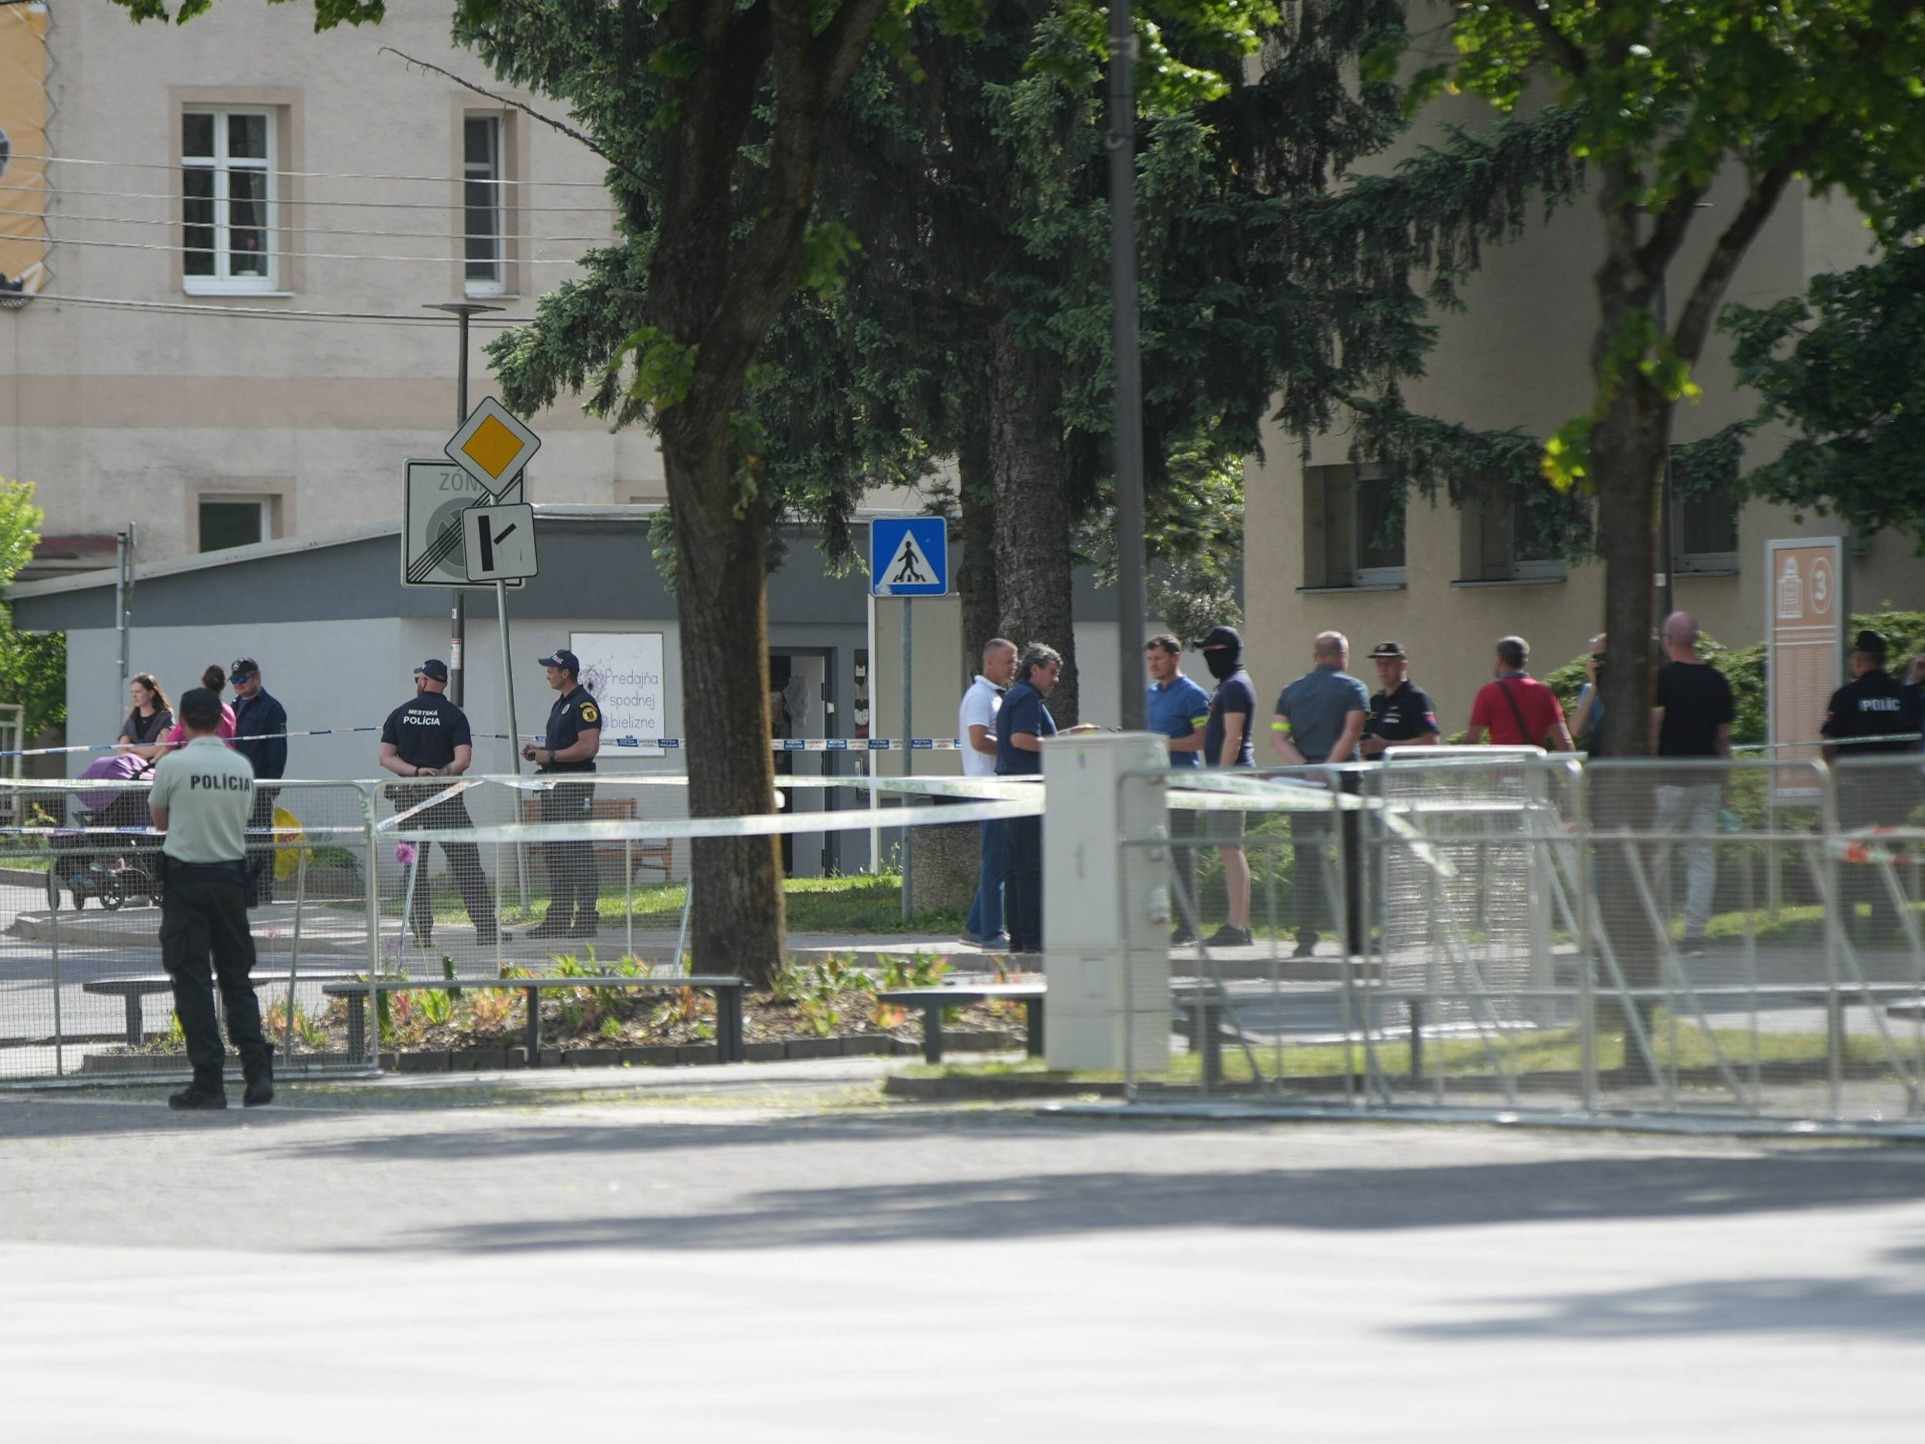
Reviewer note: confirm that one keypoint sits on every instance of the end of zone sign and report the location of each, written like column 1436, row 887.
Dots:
column 909, row 556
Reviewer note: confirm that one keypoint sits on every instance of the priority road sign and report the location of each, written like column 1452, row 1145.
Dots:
column 909, row 556
column 434, row 496
column 492, row 445
column 499, row 542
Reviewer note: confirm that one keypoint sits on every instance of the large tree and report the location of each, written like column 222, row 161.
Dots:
column 1673, row 99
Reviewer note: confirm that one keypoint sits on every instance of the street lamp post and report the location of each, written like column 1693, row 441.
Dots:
column 458, row 599
column 1121, row 142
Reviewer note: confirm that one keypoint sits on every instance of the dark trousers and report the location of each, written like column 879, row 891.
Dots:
column 1023, row 898
column 572, row 884
column 986, row 910
column 464, row 861
column 260, row 847
column 204, row 937
column 1314, row 832
column 1871, row 797
column 1183, row 850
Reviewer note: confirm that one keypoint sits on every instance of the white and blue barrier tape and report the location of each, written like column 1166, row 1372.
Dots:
column 666, row 744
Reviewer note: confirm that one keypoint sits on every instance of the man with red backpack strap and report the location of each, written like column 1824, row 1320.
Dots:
column 1517, row 710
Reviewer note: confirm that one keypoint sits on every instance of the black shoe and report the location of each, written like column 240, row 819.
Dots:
column 1180, row 936
column 1303, row 950
column 550, row 927
column 260, row 1092
column 489, row 937
column 197, row 1096
column 585, row 928
column 1228, row 937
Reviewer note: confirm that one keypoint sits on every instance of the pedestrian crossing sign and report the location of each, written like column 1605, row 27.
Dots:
column 909, row 556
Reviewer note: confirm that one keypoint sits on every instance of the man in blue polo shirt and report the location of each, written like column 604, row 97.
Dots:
column 1180, row 710
column 1022, row 723
column 1320, row 718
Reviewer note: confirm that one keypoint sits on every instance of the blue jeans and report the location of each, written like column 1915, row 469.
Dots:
column 986, row 910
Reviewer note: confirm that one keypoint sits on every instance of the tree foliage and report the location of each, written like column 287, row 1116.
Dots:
column 33, row 666
column 1839, row 369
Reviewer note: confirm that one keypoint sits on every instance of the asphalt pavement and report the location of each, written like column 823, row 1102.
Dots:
column 772, row 1252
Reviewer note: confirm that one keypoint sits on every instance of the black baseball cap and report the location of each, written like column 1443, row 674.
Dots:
column 434, row 669
column 1871, row 643
column 1222, row 637
column 563, row 658
column 243, row 669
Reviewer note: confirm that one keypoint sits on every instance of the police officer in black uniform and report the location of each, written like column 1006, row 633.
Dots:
column 1872, row 715
column 1401, row 714
column 430, row 737
column 202, row 796
column 568, row 749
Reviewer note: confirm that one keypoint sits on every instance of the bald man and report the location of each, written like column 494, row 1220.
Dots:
column 1691, row 721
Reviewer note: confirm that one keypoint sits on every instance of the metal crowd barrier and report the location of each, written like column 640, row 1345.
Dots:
column 1727, row 939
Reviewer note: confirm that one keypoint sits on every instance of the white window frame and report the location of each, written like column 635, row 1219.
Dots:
column 1701, row 563
column 265, row 505
column 482, row 173
column 222, row 166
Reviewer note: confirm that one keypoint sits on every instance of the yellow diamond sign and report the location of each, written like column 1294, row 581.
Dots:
column 492, row 445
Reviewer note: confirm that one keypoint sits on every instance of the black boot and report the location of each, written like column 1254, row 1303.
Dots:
column 555, row 925
column 200, row 1094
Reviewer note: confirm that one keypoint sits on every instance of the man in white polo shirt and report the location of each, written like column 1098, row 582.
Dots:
column 976, row 736
column 202, row 797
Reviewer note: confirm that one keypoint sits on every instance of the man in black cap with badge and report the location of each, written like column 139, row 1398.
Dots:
column 567, row 749
column 1401, row 713
column 1871, row 716
column 201, row 798
column 260, row 735
column 430, row 737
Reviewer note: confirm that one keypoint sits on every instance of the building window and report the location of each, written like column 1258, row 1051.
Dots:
column 1353, row 528
column 1503, row 543
column 235, row 521
column 227, row 200
column 484, row 206
column 1704, row 531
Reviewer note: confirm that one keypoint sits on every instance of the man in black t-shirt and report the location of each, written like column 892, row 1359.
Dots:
column 1692, row 718
column 1402, row 714
column 430, row 737
column 1870, row 716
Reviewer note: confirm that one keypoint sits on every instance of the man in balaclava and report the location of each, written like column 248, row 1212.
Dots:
column 1226, row 743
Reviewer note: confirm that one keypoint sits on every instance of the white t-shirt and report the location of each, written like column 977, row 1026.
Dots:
column 979, row 706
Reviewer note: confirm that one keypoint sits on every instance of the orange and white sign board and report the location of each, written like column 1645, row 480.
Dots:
column 1805, row 621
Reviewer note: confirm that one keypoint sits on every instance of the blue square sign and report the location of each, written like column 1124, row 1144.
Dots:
column 909, row 557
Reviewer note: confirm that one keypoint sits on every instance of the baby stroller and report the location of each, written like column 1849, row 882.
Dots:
column 95, row 864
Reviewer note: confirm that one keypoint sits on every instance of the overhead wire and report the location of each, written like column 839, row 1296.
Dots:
column 295, row 230
column 304, row 201
column 306, row 174
column 115, row 303
column 446, row 260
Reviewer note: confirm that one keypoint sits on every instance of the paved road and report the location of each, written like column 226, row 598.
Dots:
column 770, row 1254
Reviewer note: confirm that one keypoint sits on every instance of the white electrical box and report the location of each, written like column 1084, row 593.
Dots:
column 1106, row 909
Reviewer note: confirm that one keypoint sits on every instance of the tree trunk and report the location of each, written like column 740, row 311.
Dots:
column 738, row 923
column 1032, row 507
column 976, row 578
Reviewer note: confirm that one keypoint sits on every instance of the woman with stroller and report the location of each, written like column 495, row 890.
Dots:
column 143, row 733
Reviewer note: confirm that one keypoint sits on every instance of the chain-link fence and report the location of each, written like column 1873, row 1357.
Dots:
column 1468, row 928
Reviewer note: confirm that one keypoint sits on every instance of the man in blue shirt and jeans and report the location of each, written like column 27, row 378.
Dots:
column 1320, row 718
column 1180, row 710
column 1022, row 722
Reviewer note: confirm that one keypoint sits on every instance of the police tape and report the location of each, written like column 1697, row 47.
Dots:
column 665, row 744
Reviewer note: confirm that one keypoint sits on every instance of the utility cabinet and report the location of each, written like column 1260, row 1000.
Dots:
column 1106, row 907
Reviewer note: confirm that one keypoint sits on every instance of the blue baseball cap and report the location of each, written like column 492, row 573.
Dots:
column 565, row 659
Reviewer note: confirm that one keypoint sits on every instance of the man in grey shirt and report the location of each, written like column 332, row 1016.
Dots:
column 202, row 797
column 1320, row 718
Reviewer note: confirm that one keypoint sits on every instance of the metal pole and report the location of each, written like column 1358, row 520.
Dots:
column 514, row 731
column 458, row 599
column 123, row 599
column 1130, row 605
column 1665, row 545
column 908, row 753
column 869, row 753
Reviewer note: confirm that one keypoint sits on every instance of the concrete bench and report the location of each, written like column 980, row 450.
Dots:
column 932, row 1001
column 727, row 992
column 134, row 991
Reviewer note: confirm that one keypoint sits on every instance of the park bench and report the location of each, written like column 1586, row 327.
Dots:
column 136, row 989
column 727, row 992
column 932, row 1001
column 636, row 853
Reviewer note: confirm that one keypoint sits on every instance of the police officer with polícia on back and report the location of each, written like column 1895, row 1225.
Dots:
column 430, row 737
column 202, row 796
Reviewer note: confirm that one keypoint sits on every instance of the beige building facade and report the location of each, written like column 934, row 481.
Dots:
column 1517, row 357
column 245, row 222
